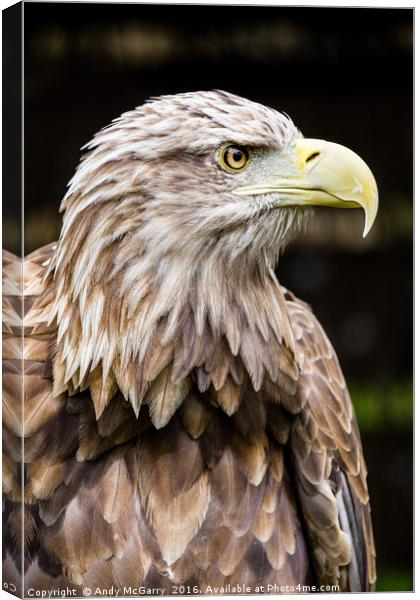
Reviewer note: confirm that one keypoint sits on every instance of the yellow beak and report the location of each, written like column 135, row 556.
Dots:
column 324, row 174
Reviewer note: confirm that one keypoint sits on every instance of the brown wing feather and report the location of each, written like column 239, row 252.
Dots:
column 330, row 468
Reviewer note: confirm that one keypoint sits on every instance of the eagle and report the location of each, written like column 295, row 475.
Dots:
column 174, row 418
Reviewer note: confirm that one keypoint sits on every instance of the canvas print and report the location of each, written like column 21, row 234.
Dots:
column 207, row 301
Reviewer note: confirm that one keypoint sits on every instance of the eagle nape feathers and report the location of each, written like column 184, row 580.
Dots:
column 185, row 418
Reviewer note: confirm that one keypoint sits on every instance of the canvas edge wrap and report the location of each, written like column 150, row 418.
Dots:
column 12, row 192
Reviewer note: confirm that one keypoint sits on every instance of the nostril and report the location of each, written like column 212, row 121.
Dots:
column 312, row 156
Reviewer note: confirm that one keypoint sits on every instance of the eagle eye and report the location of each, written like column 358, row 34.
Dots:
column 234, row 158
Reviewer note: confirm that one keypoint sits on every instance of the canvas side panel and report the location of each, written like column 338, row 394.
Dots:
column 12, row 363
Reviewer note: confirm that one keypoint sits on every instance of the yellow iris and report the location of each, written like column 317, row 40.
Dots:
column 234, row 157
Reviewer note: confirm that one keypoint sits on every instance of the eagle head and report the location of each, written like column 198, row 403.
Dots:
column 210, row 173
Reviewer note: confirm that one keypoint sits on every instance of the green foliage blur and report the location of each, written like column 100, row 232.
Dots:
column 394, row 580
column 383, row 406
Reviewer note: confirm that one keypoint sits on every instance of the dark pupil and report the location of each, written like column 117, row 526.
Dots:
column 237, row 156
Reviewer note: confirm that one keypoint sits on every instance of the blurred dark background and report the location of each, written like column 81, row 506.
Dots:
column 342, row 74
